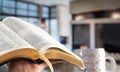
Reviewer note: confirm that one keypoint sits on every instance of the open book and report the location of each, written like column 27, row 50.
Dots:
column 19, row 39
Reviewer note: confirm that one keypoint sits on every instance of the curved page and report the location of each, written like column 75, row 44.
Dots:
column 10, row 42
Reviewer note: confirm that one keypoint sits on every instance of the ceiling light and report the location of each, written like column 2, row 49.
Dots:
column 115, row 15
column 79, row 17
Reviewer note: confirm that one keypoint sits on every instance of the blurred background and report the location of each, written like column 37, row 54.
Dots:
column 75, row 23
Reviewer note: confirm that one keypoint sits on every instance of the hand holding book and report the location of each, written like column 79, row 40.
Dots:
column 24, row 65
column 22, row 39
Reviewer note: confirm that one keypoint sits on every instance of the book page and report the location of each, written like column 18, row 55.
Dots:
column 10, row 41
column 34, row 35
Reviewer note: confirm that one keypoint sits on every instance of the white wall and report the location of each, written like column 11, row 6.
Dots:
column 64, row 21
column 81, row 6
